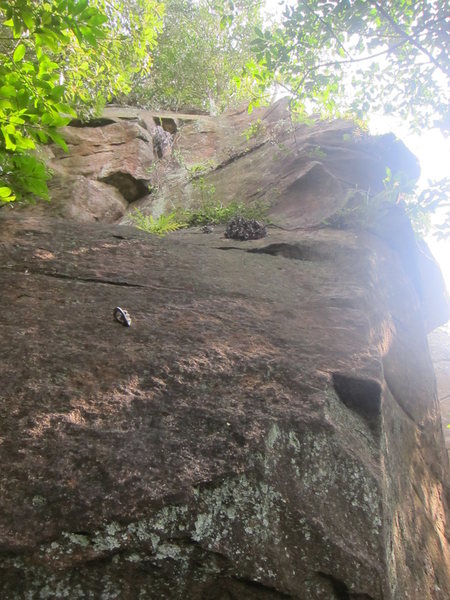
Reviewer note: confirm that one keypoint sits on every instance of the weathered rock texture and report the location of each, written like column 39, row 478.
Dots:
column 439, row 341
column 109, row 165
column 267, row 428
column 305, row 172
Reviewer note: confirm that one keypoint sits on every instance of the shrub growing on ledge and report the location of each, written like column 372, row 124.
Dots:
column 215, row 213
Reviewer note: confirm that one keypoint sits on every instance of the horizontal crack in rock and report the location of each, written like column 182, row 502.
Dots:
column 259, row 588
column 82, row 279
column 235, row 157
column 91, row 280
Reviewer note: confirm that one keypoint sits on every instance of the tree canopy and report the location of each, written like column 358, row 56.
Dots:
column 199, row 57
column 57, row 57
column 360, row 56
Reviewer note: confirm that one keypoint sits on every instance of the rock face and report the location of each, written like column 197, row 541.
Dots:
column 439, row 341
column 108, row 166
column 304, row 172
column 268, row 427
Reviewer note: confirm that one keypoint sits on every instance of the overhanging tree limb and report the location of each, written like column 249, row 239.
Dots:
column 442, row 67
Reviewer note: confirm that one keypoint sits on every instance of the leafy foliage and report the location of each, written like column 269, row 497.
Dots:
column 200, row 169
column 207, row 190
column 56, row 55
column 214, row 213
column 97, row 72
column 254, row 129
column 160, row 226
column 435, row 199
column 200, row 56
column 360, row 55
column 362, row 209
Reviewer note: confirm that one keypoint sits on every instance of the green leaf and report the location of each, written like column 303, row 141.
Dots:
column 28, row 19
column 79, row 7
column 7, row 91
column 97, row 19
column 5, row 192
column 19, row 53
column 58, row 139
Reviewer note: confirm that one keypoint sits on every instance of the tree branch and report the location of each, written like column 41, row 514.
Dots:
column 329, row 28
column 357, row 60
column 409, row 38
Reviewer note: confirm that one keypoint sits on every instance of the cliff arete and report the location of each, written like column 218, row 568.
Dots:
column 268, row 427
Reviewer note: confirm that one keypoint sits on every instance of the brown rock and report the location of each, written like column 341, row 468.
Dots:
column 127, row 167
column 107, row 166
column 82, row 199
column 305, row 173
column 266, row 428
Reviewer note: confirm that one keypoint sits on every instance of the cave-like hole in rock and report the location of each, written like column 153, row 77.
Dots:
column 362, row 396
column 340, row 589
column 166, row 123
column 131, row 189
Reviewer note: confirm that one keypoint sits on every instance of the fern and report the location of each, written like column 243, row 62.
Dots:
column 160, row 226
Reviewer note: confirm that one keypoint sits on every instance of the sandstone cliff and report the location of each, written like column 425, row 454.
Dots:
column 268, row 427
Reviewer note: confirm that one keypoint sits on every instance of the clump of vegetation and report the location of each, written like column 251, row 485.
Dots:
column 254, row 129
column 214, row 213
column 200, row 169
column 207, row 190
column 362, row 209
column 316, row 152
column 208, row 213
column 160, row 226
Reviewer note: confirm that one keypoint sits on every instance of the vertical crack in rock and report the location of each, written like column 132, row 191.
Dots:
column 162, row 141
column 362, row 396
